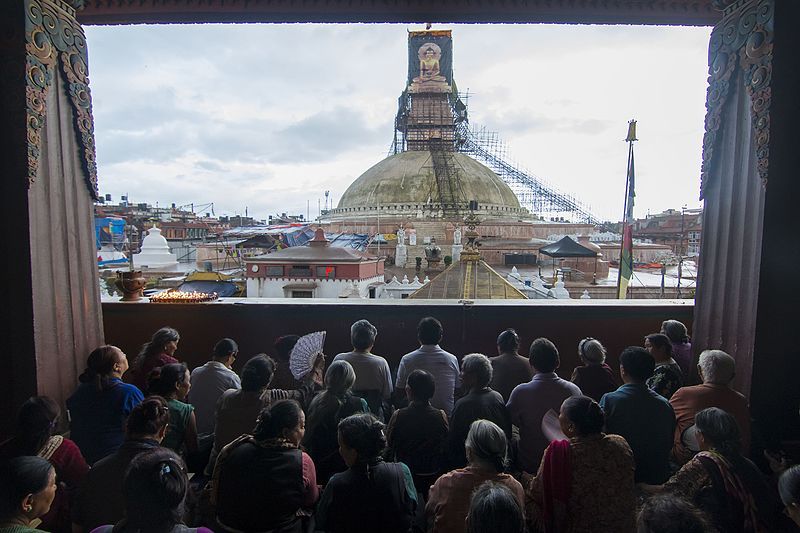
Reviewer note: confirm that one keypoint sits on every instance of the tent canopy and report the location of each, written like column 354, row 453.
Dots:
column 566, row 247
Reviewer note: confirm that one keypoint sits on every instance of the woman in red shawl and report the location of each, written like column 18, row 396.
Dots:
column 158, row 352
column 36, row 422
column 584, row 484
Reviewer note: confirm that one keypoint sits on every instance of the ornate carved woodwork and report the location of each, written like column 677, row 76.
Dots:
column 54, row 39
column 683, row 12
column 740, row 44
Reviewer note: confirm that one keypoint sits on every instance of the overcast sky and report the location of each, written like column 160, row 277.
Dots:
column 268, row 117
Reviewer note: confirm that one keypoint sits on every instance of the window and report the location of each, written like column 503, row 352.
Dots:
column 327, row 272
column 302, row 294
column 300, row 271
column 276, row 271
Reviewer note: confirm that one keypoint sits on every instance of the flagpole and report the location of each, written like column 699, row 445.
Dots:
column 627, row 220
column 624, row 213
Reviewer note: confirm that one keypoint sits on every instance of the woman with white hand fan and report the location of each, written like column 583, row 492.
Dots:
column 335, row 403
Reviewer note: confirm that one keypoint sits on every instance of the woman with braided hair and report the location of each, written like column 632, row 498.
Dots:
column 449, row 500
column 371, row 495
column 155, row 489
column 333, row 404
column 146, row 427
column 263, row 481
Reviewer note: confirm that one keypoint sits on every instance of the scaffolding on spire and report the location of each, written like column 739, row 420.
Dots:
column 433, row 116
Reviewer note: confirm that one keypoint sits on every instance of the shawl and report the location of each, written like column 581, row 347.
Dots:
column 557, row 483
column 734, row 488
column 272, row 443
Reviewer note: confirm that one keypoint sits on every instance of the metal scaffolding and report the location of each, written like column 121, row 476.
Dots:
column 451, row 197
column 439, row 123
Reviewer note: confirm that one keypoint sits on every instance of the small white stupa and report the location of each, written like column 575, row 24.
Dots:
column 155, row 254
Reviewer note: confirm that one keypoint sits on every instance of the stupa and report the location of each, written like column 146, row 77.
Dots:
column 426, row 187
column 155, row 254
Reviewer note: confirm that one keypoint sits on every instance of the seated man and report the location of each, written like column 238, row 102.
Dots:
column 640, row 415
column 530, row 401
column 480, row 402
column 210, row 381
column 373, row 379
column 509, row 368
column 442, row 365
column 416, row 434
column 717, row 370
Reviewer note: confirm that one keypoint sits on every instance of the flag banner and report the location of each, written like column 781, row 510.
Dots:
column 626, row 261
column 626, row 253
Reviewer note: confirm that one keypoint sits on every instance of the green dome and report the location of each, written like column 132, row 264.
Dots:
column 405, row 182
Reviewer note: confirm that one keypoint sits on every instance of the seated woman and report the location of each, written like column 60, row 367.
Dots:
column 27, row 489
column 668, row 376
column 720, row 481
column 595, row 377
column 681, row 345
column 494, row 508
column 335, row 403
column 172, row 382
column 479, row 402
column 101, row 404
column 449, row 501
column 370, row 495
column 417, row 434
column 155, row 489
column 159, row 351
column 584, row 483
column 262, row 481
column 670, row 514
column 146, row 427
column 789, row 488
column 37, row 420
column 239, row 409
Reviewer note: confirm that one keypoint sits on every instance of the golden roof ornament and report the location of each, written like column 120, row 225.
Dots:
column 471, row 252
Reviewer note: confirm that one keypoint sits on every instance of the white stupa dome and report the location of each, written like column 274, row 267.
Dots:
column 155, row 253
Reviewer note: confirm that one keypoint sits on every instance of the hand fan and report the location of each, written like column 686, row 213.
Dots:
column 551, row 427
column 304, row 353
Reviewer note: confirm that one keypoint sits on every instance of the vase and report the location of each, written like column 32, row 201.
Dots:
column 132, row 284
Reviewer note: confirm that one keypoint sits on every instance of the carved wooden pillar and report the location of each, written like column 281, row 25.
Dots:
column 748, row 282
column 49, row 283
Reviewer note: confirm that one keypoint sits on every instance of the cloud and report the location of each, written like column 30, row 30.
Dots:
column 210, row 166
column 270, row 116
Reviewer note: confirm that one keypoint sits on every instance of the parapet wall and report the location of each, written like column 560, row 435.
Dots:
column 255, row 323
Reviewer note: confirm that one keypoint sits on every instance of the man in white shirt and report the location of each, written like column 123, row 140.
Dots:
column 373, row 379
column 210, row 381
column 442, row 365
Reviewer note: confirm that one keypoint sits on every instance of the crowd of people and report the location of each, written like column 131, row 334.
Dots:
column 500, row 444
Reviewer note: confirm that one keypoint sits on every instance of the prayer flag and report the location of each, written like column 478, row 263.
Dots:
column 626, row 253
